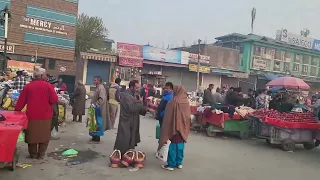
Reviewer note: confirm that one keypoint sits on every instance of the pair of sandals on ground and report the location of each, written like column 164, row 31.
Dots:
column 130, row 158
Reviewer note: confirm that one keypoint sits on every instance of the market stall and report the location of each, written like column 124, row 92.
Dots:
column 12, row 124
column 286, row 129
column 227, row 119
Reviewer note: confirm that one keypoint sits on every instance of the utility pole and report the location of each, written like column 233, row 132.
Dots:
column 198, row 66
column 5, row 16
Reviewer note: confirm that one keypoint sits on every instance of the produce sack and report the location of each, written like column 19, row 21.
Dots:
column 162, row 154
column 95, row 124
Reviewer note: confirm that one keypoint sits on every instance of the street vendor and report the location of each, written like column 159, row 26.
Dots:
column 208, row 96
column 39, row 96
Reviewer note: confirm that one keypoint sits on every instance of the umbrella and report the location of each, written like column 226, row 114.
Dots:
column 289, row 82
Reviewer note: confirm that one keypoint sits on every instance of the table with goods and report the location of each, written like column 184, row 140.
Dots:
column 226, row 119
column 286, row 129
column 12, row 124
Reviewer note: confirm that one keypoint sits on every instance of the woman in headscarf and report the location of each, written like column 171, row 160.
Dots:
column 176, row 127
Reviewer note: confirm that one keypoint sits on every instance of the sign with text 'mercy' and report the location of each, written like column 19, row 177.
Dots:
column 41, row 25
column 130, row 54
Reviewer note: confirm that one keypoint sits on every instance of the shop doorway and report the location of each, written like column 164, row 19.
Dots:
column 69, row 81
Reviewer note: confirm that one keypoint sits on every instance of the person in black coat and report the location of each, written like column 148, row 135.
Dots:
column 233, row 98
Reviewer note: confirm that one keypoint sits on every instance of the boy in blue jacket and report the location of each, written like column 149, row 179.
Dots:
column 167, row 96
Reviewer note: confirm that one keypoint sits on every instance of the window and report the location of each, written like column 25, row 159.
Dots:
column 314, row 61
column 306, row 59
column 313, row 71
column 314, row 66
column 47, row 40
column 276, row 65
column 305, row 69
column 3, row 3
column 268, row 63
column 287, row 56
column 52, row 64
column 297, row 58
column 295, row 67
column 286, row 66
column 263, row 50
column 51, row 15
column 257, row 51
column 278, row 54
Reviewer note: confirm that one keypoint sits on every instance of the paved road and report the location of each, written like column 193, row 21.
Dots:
column 205, row 158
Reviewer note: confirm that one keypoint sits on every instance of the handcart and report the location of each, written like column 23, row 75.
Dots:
column 288, row 134
column 259, row 128
column 223, row 123
column 10, row 132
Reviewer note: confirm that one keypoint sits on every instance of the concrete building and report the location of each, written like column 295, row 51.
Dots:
column 44, row 31
column 266, row 58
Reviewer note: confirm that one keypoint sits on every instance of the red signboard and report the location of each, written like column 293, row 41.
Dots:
column 130, row 54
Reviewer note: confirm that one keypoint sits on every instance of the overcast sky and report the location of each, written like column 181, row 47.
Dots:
column 174, row 21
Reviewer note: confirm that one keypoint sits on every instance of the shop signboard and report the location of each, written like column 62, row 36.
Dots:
column 202, row 69
column 259, row 63
column 44, row 26
column 296, row 40
column 10, row 48
column 203, row 59
column 185, row 56
column 130, row 54
column 162, row 55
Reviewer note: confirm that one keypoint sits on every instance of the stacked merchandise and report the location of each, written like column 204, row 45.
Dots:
column 286, row 129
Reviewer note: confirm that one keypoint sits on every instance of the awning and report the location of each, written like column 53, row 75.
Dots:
column 270, row 76
column 98, row 57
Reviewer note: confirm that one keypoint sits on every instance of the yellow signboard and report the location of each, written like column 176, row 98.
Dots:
column 202, row 69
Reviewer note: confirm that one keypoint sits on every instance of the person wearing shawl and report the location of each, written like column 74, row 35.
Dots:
column 176, row 127
column 131, row 107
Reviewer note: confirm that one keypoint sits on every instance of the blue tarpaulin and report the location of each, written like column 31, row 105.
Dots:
column 270, row 76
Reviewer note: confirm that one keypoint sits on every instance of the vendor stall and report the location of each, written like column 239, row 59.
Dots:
column 286, row 129
column 226, row 119
column 11, row 126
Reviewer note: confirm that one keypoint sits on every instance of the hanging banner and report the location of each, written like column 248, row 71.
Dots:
column 130, row 54
column 202, row 69
column 164, row 55
column 259, row 63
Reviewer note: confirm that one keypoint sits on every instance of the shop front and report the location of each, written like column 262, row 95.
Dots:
column 165, row 65
column 96, row 64
column 130, row 63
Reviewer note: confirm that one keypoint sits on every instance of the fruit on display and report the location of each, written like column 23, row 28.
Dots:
column 288, row 117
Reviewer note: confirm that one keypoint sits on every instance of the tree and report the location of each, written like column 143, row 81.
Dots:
column 91, row 33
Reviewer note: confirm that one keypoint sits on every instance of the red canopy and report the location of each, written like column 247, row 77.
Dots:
column 289, row 82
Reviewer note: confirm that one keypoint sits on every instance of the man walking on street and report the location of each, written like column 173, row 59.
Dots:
column 99, row 100
column 39, row 96
column 78, row 102
column 114, row 100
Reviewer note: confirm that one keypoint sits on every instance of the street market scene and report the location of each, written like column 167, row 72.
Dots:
column 136, row 90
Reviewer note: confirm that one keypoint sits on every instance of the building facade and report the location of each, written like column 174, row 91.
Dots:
column 267, row 58
column 43, row 32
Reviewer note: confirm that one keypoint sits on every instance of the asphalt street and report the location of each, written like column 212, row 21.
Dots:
column 222, row 157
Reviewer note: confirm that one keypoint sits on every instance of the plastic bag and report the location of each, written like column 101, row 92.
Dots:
column 162, row 154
